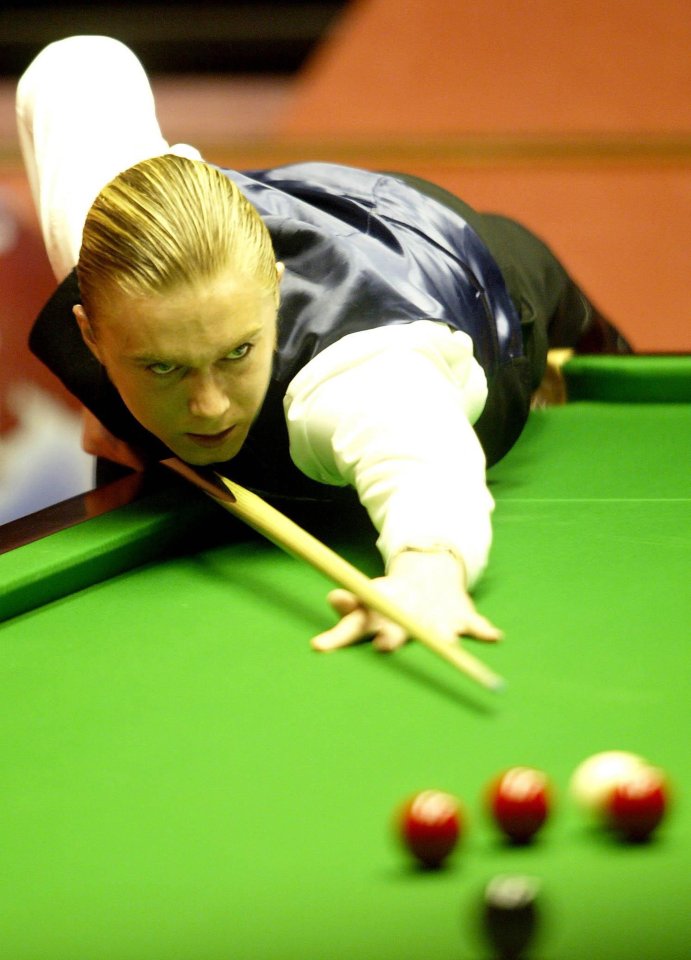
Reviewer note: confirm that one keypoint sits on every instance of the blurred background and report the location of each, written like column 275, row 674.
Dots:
column 574, row 116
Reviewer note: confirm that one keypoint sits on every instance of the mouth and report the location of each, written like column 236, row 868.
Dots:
column 210, row 440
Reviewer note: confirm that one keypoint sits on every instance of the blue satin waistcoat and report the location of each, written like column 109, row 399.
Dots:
column 364, row 250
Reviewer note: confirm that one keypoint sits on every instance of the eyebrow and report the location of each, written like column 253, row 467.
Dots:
column 146, row 359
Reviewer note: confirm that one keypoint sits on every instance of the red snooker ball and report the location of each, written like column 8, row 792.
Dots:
column 519, row 802
column 637, row 804
column 430, row 824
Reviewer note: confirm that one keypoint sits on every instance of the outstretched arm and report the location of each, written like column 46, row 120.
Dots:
column 389, row 411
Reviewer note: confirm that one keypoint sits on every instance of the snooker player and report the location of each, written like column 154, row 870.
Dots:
column 319, row 326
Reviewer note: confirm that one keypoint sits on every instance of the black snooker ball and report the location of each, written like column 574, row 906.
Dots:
column 510, row 915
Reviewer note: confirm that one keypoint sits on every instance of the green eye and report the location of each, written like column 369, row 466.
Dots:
column 239, row 352
column 162, row 369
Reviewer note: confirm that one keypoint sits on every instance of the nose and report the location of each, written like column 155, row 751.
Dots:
column 208, row 398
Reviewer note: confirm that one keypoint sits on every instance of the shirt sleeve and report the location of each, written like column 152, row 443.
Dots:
column 390, row 412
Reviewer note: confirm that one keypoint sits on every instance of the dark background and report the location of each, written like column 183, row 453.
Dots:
column 176, row 36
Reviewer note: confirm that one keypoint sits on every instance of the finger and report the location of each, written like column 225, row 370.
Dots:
column 343, row 602
column 353, row 627
column 389, row 637
column 480, row 628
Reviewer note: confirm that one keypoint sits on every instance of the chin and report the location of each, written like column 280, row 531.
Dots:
column 204, row 457
column 199, row 458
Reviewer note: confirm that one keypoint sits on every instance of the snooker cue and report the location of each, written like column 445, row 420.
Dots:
column 288, row 535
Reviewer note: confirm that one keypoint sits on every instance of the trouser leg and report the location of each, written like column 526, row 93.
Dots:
column 554, row 310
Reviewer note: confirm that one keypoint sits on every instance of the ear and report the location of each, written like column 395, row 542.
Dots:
column 87, row 330
column 280, row 271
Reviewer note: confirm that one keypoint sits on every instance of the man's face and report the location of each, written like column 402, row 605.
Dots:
column 193, row 366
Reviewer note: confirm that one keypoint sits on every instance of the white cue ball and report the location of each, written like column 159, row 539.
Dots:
column 595, row 779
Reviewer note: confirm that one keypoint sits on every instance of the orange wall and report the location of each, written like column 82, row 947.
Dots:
column 604, row 85
column 500, row 66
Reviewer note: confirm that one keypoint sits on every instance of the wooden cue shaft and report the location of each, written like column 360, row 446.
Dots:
column 285, row 533
column 288, row 535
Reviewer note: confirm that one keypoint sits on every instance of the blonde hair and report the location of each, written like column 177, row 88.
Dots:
column 167, row 222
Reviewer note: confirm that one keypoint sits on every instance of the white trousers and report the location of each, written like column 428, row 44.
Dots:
column 85, row 112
